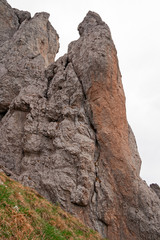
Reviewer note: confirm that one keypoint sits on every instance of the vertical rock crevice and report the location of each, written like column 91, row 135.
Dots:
column 2, row 114
column 100, row 225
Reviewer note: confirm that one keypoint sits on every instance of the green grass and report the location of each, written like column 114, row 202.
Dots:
column 25, row 215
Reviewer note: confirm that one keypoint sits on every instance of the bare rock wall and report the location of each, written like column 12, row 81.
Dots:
column 63, row 125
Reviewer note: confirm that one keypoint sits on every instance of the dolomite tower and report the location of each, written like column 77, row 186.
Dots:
column 63, row 125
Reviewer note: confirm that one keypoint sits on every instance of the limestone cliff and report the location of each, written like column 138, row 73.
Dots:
column 64, row 129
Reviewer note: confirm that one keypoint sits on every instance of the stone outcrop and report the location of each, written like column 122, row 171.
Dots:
column 156, row 188
column 27, row 46
column 64, row 129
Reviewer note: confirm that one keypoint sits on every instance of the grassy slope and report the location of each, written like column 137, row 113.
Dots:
column 24, row 214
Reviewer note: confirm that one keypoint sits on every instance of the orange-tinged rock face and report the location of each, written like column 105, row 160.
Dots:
column 107, row 101
column 117, row 193
column 114, row 164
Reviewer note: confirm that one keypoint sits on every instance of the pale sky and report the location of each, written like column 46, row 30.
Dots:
column 135, row 28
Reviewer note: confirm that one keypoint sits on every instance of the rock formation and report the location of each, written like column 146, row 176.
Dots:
column 156, row 188
column 63, row 125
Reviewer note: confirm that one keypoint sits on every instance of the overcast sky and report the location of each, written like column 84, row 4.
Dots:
column 135, row 28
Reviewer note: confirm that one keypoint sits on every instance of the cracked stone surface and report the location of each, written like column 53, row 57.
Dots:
column 63, row 125
column 156, row 189
column 27, row 45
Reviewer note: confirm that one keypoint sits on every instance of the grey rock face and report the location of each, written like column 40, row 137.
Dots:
column 156, row 188
column 8, row 21
column 64, row 129
column 28, row 47
column 22, row 15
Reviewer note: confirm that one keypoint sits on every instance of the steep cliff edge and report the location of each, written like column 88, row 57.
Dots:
column 64, row 129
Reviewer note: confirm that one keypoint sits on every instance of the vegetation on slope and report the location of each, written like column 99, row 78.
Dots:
column 25, row 215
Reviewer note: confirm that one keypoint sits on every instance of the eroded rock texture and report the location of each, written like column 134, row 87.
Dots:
column 156, row 188
column 27, row 46
column 64, row 129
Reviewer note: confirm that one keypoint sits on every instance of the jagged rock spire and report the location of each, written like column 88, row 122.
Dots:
column 64, row 129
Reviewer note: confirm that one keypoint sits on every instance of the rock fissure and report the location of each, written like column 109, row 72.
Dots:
column 83, row 91
column 67, row 62
column 33, row 57
column 97, row 177
column 22, row 15
column 94, row 197
column 2, row 114
column 49, row 79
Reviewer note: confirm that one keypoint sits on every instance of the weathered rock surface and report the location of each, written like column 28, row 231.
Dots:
column 65, row 132
column 156, row 188
column 27, row 46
